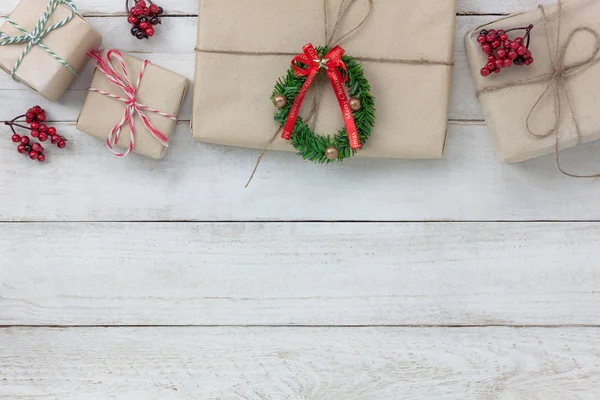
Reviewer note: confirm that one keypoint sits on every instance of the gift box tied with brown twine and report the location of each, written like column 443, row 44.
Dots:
column 331, row 40
column 556, row 82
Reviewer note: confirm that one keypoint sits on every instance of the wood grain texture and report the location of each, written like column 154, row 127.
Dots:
column 300, row 364
column 326, row 280
column 203, row 182
column 299, row 274
column 469, row 184
column 190, row 7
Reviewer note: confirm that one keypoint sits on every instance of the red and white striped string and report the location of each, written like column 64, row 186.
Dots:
column 132, row 106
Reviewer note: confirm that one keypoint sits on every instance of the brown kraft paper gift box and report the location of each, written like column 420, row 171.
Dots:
column 39, row 70
column 160, row 89
column 245, row 47
column 506, row 110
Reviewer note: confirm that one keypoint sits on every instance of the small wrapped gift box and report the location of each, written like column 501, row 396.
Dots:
column 43, row 44
column 405, row 48
column 132, row 104
column 553, row 103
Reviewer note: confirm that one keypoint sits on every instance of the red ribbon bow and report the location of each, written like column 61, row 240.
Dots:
column 332, row 63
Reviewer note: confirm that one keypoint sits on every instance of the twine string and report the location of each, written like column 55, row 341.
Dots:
column 34, row 38
column 345, row 6
column 342, row 13
column 556, row 83
column 133, row 107
column 319, row 86
column 331, row 40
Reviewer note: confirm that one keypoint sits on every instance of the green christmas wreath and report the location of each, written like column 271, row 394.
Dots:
column 331, row 148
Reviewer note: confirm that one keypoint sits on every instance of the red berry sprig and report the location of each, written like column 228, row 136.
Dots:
column 144, row 16
column 503, row 52
column 35, row 117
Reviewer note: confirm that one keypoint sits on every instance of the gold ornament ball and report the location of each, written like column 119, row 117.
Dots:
column 279, row 101
column 355, row 104
column 332, row 153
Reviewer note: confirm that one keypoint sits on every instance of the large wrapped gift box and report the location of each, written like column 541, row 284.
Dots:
column 244, row 48
column 39, row 70
column 159, row 89
column 506, row 110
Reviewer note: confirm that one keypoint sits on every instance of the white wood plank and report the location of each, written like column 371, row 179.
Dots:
column 206, row 183
column 300, row 364
column 298, row 273
column 497, row 7
column 495, row 191
column 190, row 7
column 173, row 48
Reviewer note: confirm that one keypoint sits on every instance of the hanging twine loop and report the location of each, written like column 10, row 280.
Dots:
column 556, row 83
column 330, row 42
column 133, row 107
column 34, row 38
column 333, row 38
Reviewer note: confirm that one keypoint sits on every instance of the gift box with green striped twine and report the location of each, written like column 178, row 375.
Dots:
column 34, row 38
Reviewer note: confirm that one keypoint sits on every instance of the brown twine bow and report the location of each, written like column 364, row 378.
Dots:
column 557, row 81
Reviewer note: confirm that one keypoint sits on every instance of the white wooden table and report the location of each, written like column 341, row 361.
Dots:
column 460, row 278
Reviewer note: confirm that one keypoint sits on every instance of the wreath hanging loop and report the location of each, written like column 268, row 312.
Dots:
column 358, row 112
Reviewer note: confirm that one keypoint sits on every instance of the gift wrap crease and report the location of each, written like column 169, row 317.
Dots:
column 243, row 50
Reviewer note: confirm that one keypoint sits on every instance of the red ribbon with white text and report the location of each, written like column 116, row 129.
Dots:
column 132, row 106
column 332, row 63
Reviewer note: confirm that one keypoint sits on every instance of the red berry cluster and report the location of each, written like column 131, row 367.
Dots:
column 143, row 17
column 503, row 52
column 35, row 117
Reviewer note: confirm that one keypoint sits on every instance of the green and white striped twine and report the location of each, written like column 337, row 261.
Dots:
column 34, row 37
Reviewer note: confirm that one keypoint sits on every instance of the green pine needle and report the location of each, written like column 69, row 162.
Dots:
column 311, row 146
